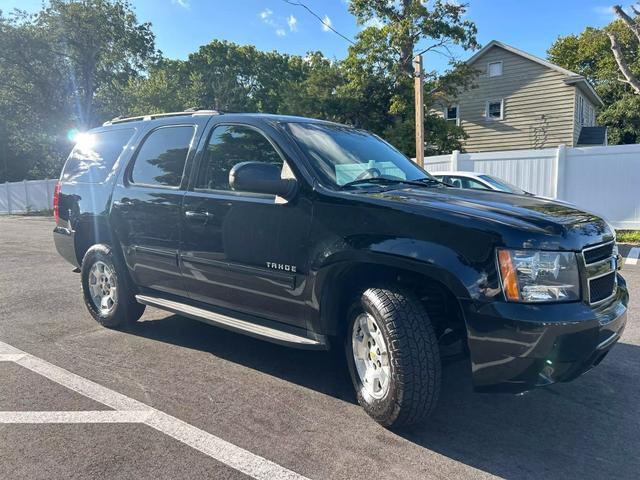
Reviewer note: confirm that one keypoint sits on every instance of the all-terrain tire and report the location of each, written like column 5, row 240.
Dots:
column 413, row 356
column 125, row 309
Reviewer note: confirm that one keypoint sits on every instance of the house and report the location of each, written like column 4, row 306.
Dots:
column 523, row 102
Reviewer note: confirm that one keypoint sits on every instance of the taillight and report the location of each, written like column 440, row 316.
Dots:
column 56, row 202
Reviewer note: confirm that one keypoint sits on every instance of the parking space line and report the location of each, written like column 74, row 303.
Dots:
column 632, row 257
column 221, row 450
column 85, row 387
column 99, row 416
column 6, row 349
column 128, row 410
column 11, row 357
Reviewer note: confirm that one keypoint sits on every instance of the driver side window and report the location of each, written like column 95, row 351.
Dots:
column 229, row 145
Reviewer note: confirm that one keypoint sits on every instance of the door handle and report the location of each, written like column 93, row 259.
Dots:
column 197, row 216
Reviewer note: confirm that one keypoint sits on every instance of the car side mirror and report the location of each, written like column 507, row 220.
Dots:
column 259, row 177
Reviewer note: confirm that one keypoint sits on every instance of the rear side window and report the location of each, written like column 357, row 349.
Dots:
column 160, row 161
column 95, row 154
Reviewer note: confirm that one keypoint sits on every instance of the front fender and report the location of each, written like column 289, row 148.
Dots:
column 332, row 270
column 465, row 277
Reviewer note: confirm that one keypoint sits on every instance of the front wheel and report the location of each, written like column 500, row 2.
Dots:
column 106, row 290
column 393, row 356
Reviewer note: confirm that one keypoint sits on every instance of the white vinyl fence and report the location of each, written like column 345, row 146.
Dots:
column 26, row 196
column 602, row 180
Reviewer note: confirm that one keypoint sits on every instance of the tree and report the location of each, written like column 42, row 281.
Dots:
column 630, row 77
column 63, row 67
column 101, row 43
column 383, row 54
column 589, row 54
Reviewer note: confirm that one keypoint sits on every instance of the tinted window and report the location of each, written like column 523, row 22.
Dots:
column 95, row 154
column 161, row 159
column 229, row 145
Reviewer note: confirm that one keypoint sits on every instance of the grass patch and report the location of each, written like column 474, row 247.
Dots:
column 628, row 236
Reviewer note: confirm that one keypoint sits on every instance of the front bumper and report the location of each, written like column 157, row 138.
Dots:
column 516, row 347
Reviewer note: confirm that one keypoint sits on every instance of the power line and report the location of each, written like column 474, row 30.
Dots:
column 327, row 25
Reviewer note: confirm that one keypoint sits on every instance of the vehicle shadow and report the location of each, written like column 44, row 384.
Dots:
column 321, row 371
column 587, row 429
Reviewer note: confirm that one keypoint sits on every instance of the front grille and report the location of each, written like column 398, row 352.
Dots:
column 597, row 254
column 600, row 272
column 602, row 288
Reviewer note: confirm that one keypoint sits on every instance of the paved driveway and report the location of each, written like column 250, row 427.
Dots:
column 174, row 398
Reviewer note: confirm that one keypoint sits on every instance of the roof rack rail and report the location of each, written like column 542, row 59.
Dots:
column 190, row 111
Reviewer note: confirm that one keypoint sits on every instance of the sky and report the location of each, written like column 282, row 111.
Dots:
column 181, row 26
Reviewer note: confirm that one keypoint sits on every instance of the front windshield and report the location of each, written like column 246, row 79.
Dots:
column 342, row 155
column 502, row 185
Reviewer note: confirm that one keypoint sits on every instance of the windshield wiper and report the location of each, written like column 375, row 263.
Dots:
column 429, row 180
column 421, row 182
column 373, row 180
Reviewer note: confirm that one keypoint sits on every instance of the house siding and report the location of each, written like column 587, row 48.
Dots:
column 538, row 112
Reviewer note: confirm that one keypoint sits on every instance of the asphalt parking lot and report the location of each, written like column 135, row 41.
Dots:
column 174, row 398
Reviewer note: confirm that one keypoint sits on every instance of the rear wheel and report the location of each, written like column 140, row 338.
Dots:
column 393, row 356
column 106, row 289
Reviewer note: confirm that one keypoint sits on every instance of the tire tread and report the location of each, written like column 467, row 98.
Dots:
column 414, row 352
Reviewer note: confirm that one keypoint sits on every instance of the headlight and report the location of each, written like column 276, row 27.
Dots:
column 538, row 276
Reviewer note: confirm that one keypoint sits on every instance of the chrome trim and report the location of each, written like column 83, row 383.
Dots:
column 595, row 277
column 609, row 341
column 225, row 321
column 594, row 247
column 613, row 293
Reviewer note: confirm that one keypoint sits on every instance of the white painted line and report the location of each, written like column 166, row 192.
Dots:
column 128, row 410
column 223, row 451
column 85, row 387
column 99, row 416
column 632, row 258
column 11, row 357
column 6, row 349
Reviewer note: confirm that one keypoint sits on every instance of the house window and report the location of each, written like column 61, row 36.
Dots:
column 585, row 112
column 451, row 113
column 494, row 110
column 495, row 69
column 581, row 119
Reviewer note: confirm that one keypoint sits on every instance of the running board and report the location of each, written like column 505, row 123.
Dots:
column 263, row 332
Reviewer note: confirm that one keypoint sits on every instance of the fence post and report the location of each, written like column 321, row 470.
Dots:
column 454, row 160
column 8, row 197
column 26, row 195
column 46, row 186
column 561, row 166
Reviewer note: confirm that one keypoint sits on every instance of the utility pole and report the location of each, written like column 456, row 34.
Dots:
column 419, row 107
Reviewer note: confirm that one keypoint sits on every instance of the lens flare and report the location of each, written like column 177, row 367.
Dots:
column 84, row 141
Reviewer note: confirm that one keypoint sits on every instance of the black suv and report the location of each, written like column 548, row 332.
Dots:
column 313, row 234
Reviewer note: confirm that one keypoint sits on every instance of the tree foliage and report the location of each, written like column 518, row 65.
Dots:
column 395, row 32
column 589, row 54
column 63, row 67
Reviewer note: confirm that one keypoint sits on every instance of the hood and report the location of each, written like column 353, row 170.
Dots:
column 536, row 216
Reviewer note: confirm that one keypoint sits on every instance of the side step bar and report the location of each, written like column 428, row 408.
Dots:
column 264, row 332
